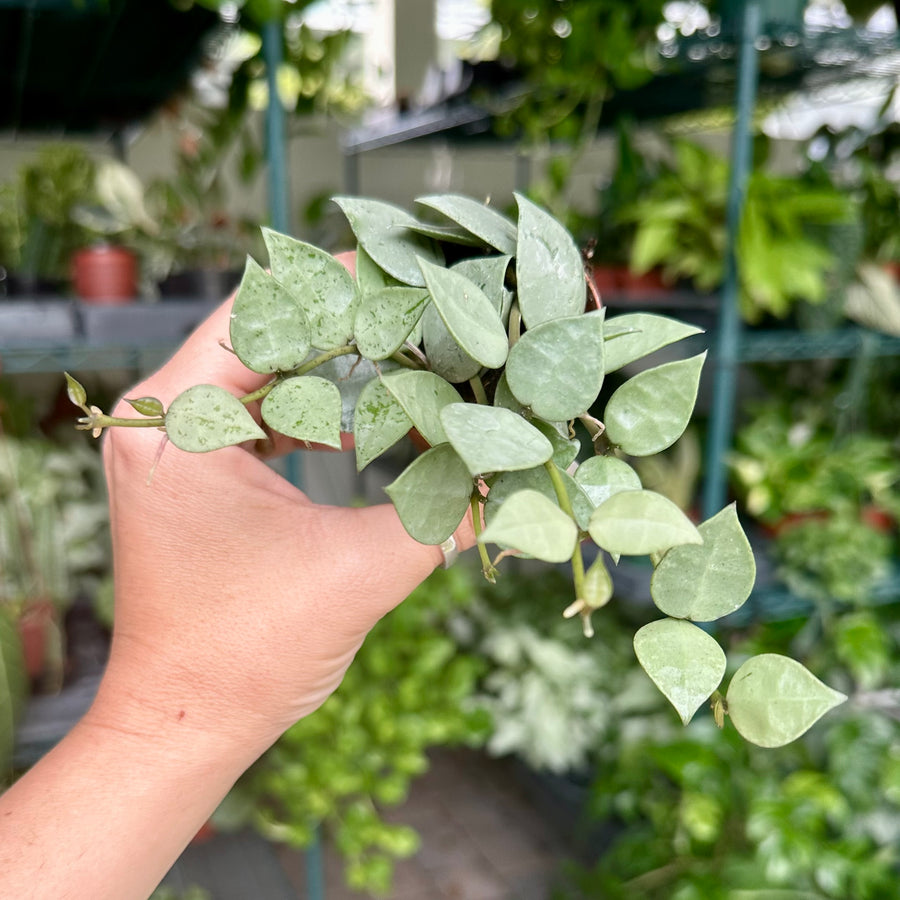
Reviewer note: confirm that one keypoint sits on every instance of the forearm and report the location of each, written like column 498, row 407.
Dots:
column 107, row 811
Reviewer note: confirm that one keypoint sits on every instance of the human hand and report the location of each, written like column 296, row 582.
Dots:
column 240, row 603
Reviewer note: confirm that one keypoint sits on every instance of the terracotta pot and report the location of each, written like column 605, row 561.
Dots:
column 105, row 274
column 34, row 626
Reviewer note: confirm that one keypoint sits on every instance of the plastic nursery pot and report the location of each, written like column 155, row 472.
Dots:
column 105, row 274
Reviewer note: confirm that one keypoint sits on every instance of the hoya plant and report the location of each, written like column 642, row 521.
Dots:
column 480, row 333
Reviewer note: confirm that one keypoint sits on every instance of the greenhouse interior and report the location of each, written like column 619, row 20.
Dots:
column 595, row 297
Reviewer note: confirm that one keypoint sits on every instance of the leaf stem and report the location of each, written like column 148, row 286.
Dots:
column 90, row 423
column 562, row 496
column 303, row 369
column 487, row 567
column 478, row 390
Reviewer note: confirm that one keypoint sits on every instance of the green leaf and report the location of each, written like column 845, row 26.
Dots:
column 306, row 408
column 549, row 268
column 638, row 523
column 350, row 374
column 468, row 314
column 75, row 390
column 147, row 406
column 446, row 357
column 503, row 396
column 379, row 423
column 565, row 448
column 370, row 277
column 13, row 688
column 489, row 273
column 651, row 410
column 206, row 417
column 537, row 479
column 493, row 439
column 532, row 524
column 422, row 395
column 325, row 289
column 704, row 582
column 384, row 231
column 773, row 699
column 682, row 660
column 634, row 335
column 602, row 476
column 269, row 329
column 556, row 367
column 385, row 319
column 452, row 234
column 485, row 223
column 432, row 494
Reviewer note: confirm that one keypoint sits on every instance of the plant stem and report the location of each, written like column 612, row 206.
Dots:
column 405, row 361
column 562, row 496
column 487, row 567
column 515, row 325
column 308, row 366
column 104, row 421
column 478, row 390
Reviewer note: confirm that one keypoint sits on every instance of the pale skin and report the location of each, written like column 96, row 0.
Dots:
column 239, row 606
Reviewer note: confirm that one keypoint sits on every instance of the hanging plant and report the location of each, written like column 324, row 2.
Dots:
column 479, row 335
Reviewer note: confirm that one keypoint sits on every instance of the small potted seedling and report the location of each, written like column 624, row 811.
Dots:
column 480, row 333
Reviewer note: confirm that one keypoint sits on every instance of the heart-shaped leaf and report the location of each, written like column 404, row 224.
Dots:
column 446, row 357
column 370, row 277
column 485, row 223
column 350, row 374
column 492, row 439
column 422, row 395
column 549, row 268
column 379, row 423
column 468, row 314
column 651, row 410
column 206, row 417
column 530, row 523
column 631, row 336
column 704, row 582
column 537, row 479
column 323, row 286
column 384, row 231
column 432, row 494
column 682, row 660
column 602, row 476
column 773, row 699
column 269, row 329
column 638, row 523
column 489, row 273
column 385, row 319
column 556, row 367
column 306, row 408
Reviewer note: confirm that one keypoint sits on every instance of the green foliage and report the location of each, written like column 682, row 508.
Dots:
column 520, row 358
column 409, row 688
column 782, row 258
column 699, row 815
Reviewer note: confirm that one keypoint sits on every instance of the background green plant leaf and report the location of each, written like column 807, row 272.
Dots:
column 549, row 268
column 385, row 319
column 773, row 699
column 468, row 314
column 269, row 329
column 325, row 289
column 633, row 335
column 493, row 439
column 12, row 688
column 651, row 410
column 556, row 367
column 379, row 423
column 704, row 582
column 602, row 476
column 206, row 417
column 422, row 395
column 682, row 660
column 531, row 523
column 638, row 523
column 432, row 494
column 484, row 222
column 306, row 408
column 384, row 232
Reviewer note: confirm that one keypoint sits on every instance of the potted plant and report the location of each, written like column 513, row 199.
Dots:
column 477, row 333
column 782, row 260
column 53, row 522
column 829, row 502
